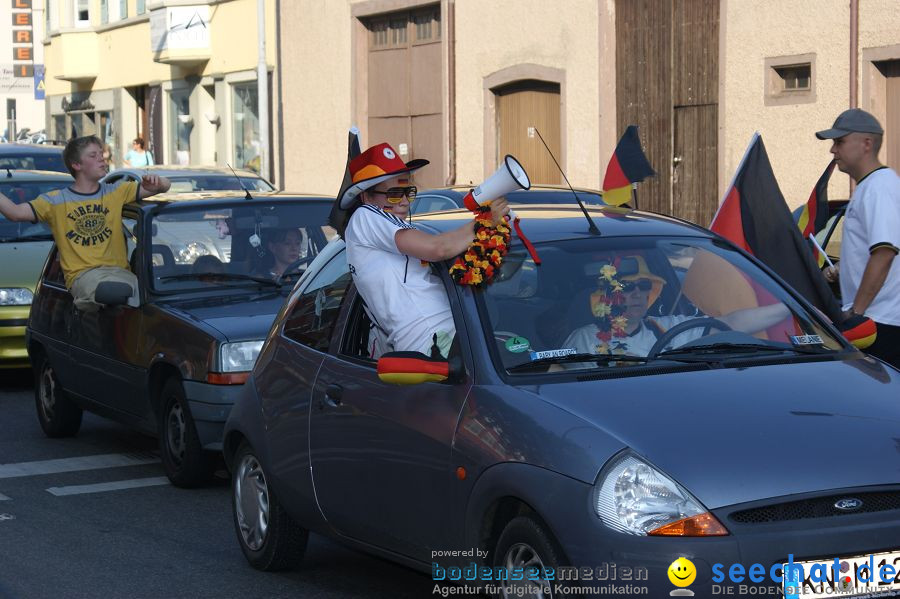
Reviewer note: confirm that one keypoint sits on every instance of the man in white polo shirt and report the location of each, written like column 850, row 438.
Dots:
column 389, row 258
column 869, row 275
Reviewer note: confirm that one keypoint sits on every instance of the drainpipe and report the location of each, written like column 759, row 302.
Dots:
column 451, row 90
column 854, row 52
column 262, row 90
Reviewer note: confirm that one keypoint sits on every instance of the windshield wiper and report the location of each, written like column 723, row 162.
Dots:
column 220, row 275
column 40, row 237
column 568, row 359
column 741, row 348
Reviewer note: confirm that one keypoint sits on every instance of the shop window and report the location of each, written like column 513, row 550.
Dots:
column 181, row 126
column 245, row 125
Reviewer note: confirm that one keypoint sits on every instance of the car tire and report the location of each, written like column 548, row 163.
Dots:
column 522, row 544
column 268, row 536
column 56, row 412
column 183, row 458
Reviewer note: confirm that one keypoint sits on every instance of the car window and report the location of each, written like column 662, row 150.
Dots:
column 313, row 316
column 431, row 203
column 223, row 182
column 41, row 162
column 190, row 246
column 54, row 273
column 22, row 192
column 567, row 304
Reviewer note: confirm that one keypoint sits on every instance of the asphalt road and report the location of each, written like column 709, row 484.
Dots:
column 150, row 541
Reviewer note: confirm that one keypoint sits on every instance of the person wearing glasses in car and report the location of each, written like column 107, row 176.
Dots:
column 389, row 258
column 639, row 332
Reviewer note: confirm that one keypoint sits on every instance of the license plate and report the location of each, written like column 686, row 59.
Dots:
column 848, row 585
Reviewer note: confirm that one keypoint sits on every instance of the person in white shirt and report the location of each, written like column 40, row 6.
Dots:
column 389, row 258
column 641, row 332
column 868, row 274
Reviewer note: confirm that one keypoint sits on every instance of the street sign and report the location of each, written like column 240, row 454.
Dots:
column 39, row 88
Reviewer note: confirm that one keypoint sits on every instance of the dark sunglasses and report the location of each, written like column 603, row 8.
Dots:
column 395, row 195
column 640, row 284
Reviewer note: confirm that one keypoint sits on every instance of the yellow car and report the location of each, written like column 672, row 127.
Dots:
column 23, row 250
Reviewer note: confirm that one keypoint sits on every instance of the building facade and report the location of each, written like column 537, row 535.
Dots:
column 22, row 66
column 463, row 82
column 181, row 75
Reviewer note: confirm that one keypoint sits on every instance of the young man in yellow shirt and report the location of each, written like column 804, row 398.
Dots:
column 86, row 221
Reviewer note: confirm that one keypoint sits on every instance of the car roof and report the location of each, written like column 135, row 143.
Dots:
column 173, row 170
column 21, row 174
column 461, row 190
column 544, row 222
column 202, row 198
column 28, row 149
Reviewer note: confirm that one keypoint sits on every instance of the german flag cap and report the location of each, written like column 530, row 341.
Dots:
column 378, row 163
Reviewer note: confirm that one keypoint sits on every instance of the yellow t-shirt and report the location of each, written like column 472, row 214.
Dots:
column 87, row 228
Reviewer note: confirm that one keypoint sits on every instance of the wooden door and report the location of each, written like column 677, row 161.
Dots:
column 694, row 171
column 890, row 152
column 404, row 88
column 521, row 109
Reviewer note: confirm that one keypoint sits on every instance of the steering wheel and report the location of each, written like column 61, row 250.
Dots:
column 293, row 266
column 705, row 323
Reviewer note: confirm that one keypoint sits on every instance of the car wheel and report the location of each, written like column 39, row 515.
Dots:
column 57, row 413
column 183, row 458
column 525, row 544
column 268, row 536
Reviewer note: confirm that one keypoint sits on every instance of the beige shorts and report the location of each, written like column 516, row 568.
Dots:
column 84, row 286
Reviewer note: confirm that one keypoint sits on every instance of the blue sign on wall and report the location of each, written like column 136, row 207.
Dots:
column 38, row 82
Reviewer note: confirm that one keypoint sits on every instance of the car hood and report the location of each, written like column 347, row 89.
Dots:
column 22, row 262
column 236, row 320
column 743, row 434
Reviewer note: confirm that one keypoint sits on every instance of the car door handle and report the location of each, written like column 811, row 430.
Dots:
column 333, row 395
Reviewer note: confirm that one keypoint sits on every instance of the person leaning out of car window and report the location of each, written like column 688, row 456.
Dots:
column 389, row 258
column 86, row 221
column 869, row 276
column 637, row 333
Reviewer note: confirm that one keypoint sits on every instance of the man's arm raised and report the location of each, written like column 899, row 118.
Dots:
column 434, row 248
column 16, row 212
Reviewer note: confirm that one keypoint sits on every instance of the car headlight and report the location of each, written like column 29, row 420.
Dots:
column 238, row 357
column 633, row 497
column 15, row 297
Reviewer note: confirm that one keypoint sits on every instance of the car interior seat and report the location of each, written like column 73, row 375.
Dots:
column 163, row 260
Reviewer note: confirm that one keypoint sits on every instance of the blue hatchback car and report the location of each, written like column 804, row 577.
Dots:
column 645, row 394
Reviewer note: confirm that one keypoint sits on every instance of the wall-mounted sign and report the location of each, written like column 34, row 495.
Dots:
column 23, row 39
column 39, row 87
column 179, row 28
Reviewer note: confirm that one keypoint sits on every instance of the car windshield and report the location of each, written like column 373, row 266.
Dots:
column 181, row 184
column 232, row 246
column 49, row 161
column 641, row 300
column 22, row 192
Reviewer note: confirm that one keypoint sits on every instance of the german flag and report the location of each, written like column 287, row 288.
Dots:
column 815, row 212
column 755, row 217
column 411, row 368
column 628, row 165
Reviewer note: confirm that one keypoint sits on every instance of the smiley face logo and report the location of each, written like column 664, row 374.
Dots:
column 682, row 572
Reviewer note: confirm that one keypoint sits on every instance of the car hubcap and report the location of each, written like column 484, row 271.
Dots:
column 48, row 393
column 521, row 555
column 175, row 429
column 251, row 502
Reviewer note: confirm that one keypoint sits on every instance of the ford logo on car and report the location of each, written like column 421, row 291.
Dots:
column 849, row 504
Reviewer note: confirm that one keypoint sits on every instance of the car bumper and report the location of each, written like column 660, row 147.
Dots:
column 13, row 352
column 210, row 406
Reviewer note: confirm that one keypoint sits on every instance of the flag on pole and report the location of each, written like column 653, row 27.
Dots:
column 755, row 217
column 815, row 213
column 627, row 166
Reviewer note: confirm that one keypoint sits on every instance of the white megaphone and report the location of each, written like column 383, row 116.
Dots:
column 509, row 177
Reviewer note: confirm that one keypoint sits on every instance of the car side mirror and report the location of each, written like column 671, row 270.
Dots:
column 413, row 368
column 113, row 293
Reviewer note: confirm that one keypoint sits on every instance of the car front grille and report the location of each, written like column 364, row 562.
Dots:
column 818, row 507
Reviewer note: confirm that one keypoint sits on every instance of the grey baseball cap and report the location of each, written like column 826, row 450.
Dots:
column 854, row 120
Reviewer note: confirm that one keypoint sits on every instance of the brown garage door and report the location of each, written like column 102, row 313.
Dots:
column 404, row 88
column 522, row 107
column 890, row 152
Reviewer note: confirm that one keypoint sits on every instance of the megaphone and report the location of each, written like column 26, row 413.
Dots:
column 509, row 177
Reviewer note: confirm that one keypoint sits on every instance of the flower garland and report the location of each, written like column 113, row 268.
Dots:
column 608, row 307
column 482, row 259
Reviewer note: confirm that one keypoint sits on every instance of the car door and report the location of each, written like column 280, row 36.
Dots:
column 104, row 350
column 380, row 453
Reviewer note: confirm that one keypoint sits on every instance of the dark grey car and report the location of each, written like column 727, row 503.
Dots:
column 715, row 445
column 173, row 366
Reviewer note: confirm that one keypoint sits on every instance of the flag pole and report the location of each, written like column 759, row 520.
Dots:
column 734, row 177
column 634, row 195
column 821, row 251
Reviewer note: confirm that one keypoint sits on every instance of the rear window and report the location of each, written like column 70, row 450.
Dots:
column 39, row 162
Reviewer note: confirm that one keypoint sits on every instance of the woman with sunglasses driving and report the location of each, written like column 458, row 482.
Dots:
column 622, row 326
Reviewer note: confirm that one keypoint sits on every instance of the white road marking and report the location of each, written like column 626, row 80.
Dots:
column 91, row 462
column 112, row 486
column 4, row 497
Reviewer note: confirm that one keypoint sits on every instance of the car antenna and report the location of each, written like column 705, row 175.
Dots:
column 592, row 228
column 246, row 191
